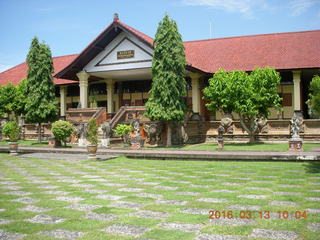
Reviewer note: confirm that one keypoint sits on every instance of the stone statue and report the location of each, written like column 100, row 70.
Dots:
column 153, row 132
column 136, row 126
column 82, row 134
column 296, row 123
column 226, row 122
column 106, row 134
column 106, row 130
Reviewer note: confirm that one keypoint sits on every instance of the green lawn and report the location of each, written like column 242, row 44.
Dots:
column 158, row 199
column 31, row 143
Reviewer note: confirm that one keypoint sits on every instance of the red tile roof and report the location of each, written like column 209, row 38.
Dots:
column 19, row 72
column 293, row 50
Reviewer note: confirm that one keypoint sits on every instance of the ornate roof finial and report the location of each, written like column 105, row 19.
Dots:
column 116, row 17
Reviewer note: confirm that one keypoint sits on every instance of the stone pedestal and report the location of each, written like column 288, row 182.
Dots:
column 105, row 142
column 295, row 145
column 220, row 143
column 82, row 142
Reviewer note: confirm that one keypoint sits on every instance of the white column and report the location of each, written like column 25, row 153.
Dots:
column 110, row 90
column 296, row 90
column 83, row 78
column 63, row 98
column 195, row 92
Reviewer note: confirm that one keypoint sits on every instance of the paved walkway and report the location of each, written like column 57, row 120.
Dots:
column 182, row 154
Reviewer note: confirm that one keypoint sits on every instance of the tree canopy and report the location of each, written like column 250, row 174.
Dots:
column 314, row 97
column 250, row 95
column 41, row 105
column 166, row 102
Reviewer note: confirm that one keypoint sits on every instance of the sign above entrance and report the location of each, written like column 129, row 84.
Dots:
column 125, row 54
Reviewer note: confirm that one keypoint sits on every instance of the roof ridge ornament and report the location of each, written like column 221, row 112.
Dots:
column 116, row 17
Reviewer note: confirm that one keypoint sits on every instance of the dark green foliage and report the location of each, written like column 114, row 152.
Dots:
column 11, row 130
column 249, row 95
column 41, row 103
column 92, row 132
column 62, row 130
column 314, row 97
column 7, row 99
column 166, row 102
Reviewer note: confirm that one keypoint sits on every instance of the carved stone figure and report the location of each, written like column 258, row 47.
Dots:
column 106, row 130
column 82, row 134
column 226, row 122
column 262, row 125
column 153, row 132
column 296, row 124
column 136, row 126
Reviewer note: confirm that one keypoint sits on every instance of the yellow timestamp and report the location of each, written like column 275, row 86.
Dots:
column 263, row 214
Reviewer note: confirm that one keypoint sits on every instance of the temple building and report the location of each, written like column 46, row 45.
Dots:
column 114, row 70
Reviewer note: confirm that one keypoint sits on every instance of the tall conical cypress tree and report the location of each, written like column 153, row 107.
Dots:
column 41, row 103
column 166, row 102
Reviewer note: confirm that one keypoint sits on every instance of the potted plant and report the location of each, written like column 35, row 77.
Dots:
column 92, row 137
column 11, row 130
column 62, row 130
column 123, row 130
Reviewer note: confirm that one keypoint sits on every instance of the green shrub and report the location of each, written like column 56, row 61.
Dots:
column 314, row 97
column 92, row 132
column 122, row 129
column 62, row 130
column 11, row 130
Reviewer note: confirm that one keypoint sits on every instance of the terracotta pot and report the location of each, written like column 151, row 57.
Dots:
column 92, row 151
column 13, row 148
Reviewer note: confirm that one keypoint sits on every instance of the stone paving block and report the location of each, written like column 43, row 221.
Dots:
column 232, row 221
column 253, row 196
column 258, row 188
column 26, row 200
column 109, row 197
column 287, row 193
column 99, row 191
column 5, row 221
column 56, row 192
column 82, row 185
column 188, row 193
column 150, row 214
column 186, row 227
column 196, row 211
column 124, row 204
column 313, row 210
column 125, row 229
column 10, row 187
column 223, row 190
column 61, row 233
column 18, row 193
column 70, row 181
column 39, row 182
column 114, row 184
column 32, row 208
column 102, row 217
column 261, row 181
column 8, row 182
column 172, row 202
column 231, row 184
column 282, row 203
column 199, row 186
column 313, row 190
column 149, row 195
column 45, row 219
column 69, row 199
column 289, row 186
column 47, row 186
column 314, row 183
column 149, row 183
column 131, row 189
column 165, row 188
column 10, row 236
column 204, row 236
column 212, row 200
column 83, row 207
column 314, row 199
column 244, row 207
column 273, row 234
column 176, row 181
column 315, row 227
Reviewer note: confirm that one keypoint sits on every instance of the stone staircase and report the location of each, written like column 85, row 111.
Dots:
column 83, row 115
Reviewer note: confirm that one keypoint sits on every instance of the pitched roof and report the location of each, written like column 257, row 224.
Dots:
column 19, row 72
column 292, row 50
column 97, row 45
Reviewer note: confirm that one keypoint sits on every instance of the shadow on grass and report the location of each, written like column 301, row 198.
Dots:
column 312, row 167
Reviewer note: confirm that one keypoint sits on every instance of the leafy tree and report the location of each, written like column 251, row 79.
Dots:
column 20, row 98
column 314, row 96
column 7, row 99
column 41, row 103
column 248, row 95
column 11, row 130
column 62, row 130
column 166, row 102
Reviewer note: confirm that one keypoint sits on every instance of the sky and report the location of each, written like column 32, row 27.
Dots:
column 68, row 26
